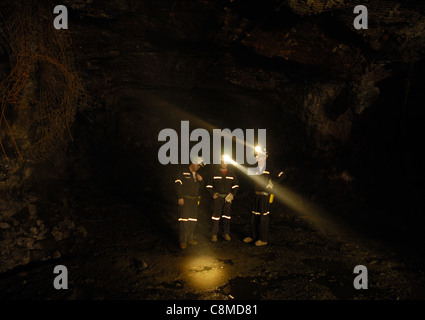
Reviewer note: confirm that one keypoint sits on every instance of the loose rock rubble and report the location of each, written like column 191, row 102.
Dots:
column 129, row 254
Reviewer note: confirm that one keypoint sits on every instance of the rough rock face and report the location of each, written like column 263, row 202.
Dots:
column 36, row 233
column 41, row 93
column 297, row 68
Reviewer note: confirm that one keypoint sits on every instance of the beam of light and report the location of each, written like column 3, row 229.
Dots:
column 294, row 201
column 165, row 109
column 227, row 159
column 320, row 219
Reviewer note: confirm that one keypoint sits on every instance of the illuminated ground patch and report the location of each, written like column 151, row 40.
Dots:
column 204, row 273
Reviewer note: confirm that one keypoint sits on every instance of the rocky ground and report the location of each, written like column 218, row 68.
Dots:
column 349, row 112
column 131, row 252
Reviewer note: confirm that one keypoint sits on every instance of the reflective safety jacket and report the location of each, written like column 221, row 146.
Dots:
column 264, row 180
column 223, row 183
column 186, row 184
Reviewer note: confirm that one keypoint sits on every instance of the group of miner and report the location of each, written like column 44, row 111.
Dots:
column 223, row 186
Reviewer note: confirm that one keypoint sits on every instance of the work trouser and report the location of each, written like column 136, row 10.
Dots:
column 221, row 209
column 260, row 217
column 188, row 217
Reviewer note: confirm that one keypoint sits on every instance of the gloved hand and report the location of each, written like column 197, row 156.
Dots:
column 229, row 197
column 270, row 185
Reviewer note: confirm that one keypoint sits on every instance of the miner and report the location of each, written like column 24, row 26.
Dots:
column 187, row 183
column 262, row 198
column 223, row 186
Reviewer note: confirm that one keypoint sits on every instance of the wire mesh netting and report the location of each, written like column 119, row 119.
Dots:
column 42, row 92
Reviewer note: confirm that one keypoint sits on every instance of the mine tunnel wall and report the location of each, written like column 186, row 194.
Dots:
column 343, row 122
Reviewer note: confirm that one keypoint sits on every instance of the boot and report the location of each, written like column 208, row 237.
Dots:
column 260, row 243
column 193, row 242
column 248, row 240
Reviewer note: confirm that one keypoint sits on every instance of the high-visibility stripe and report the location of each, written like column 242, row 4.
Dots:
column 235, row 186
column 280, row 174
column 266, row 172
column 208, row 186
column 178, row 180
column 259, row 213
column 215, row 218
column 188, row 219
column 226, row 217
column 231, row 178
column 186, row 173
column 217, row 177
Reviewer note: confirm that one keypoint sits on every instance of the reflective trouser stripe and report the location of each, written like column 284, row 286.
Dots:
column 226, row 217
column 259, row 213
column 215, row 218
column 186, row 220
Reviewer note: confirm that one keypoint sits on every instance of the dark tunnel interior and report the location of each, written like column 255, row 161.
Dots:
column 82, row 184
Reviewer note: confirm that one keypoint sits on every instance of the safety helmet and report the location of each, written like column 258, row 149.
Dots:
column 225, row 157
column 260, row 151
column 197, row 160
